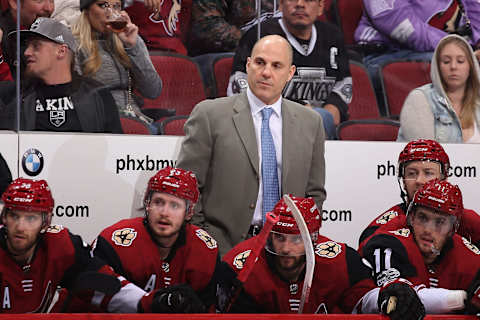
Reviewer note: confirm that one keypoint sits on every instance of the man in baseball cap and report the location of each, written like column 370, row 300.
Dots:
column 51, row 30
column 54, row 98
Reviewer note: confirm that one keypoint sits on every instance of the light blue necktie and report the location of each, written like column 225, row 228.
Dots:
column 269, row 166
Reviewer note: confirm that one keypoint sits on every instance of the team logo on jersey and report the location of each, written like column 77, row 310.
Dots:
column 404, row 232
column 470, row 246
column 205, row 237
column 32, row 162
column 311, row 85
column 329, row 249
column 293, row 288
column 170, row 22
column 54, row 228
column 124, row 237
column 387, row 216
column 241, row 258
column 387, row 276
column 165, row 267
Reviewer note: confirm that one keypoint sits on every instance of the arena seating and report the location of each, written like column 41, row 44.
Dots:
column 398, row 79
column 368, row 130
column 182, row 88
column 222, row 67
column 131, row 125
column 364, row 103
column 173, row 126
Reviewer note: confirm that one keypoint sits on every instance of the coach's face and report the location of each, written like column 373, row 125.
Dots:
column 269, row 68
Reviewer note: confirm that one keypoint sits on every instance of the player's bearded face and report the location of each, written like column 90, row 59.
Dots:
column 166, row 214
column 431, row 231
column 23, row 229
column 289, row 253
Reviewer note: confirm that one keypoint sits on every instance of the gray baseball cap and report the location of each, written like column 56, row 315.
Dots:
column 50, row 29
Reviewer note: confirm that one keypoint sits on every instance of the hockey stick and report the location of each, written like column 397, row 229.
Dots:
column 270, row 220
column 307, row 241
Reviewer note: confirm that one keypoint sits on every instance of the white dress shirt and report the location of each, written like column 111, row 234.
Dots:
column 256, row 106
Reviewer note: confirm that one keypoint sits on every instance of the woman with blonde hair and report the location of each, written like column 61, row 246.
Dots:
column 113, row 54
column 448, row 109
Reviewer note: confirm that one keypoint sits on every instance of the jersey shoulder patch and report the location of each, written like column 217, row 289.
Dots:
column 54, row 228
column 329, row 249
column 241, row 258
column 404, row 232
column 471, row 246
column 387, row 216
column 205, row 237
column 124, row 237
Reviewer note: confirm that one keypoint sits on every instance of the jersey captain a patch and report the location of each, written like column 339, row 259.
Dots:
column 329, row 249
column 124, row 237
column 205, row 237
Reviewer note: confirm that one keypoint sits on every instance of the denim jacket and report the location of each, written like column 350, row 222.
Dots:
column 446, row 123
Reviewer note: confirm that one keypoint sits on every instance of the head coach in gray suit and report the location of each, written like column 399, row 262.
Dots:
column 223, row 147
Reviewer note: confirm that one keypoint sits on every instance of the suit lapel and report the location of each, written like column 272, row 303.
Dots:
column 289, row 133
column 244, row 124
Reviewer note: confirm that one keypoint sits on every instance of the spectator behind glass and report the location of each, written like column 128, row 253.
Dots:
column 217, row 26
column 447, row 109
column 118, row 60
column 411, row 29
column 57, row 99
column 66, row 11
column 29, row 11
column 322, row 78
column 164, row 25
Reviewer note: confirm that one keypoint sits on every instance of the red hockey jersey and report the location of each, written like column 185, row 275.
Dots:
column 128, row 247
column 340, row 280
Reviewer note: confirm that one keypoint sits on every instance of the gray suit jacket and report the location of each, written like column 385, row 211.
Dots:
column 220, row 147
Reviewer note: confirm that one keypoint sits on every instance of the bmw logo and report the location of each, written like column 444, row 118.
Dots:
column 32, row 162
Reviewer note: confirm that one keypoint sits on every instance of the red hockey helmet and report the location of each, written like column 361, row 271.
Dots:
column 441, row 196
column 28, row 195
column 287, row 224
column 175, row 181
column 423, row 150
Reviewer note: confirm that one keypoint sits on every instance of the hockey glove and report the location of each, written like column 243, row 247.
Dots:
column 399, row 301
column 179, row 298
column 473, row 296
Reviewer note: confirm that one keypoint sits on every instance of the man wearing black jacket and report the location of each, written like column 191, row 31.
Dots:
column 58, row 99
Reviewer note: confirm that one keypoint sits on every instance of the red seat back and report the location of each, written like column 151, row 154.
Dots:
column 368, row 130
column 348, row 14
column 399, row 78
column 173, row 126
column 132, row 125
column 182, row 88
column 364, row 102
column 222, row 68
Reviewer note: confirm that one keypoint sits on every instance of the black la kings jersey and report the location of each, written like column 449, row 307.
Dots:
column 322, row 75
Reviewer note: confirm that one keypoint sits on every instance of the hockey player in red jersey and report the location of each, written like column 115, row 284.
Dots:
column 419, row 162
column 443, row 266
column 341, row 282
column 162, row 250
column 37, row 257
